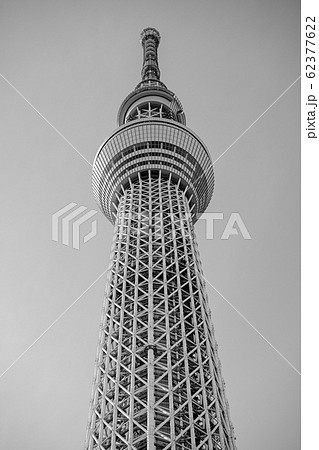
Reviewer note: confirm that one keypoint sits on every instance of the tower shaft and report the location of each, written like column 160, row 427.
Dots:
column 158, row 383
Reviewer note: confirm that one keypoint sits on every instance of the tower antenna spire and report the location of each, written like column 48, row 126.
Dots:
column 150, row 39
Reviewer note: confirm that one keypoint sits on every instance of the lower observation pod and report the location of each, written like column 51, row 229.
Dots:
column 156, row 145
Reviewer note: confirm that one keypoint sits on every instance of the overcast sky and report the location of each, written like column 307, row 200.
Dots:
column 75, row 61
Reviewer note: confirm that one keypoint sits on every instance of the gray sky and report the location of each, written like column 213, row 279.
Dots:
column 75, row 61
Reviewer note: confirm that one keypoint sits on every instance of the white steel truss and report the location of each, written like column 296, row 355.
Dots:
column 150, row 110
column 158, row 382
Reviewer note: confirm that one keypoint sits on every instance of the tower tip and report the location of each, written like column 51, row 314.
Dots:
column 150, row 39
column 152, row 33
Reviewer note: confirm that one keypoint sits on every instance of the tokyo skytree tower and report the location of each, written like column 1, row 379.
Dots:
column 158, row 382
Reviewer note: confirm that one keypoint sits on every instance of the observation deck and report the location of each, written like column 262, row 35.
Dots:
column 152, row 140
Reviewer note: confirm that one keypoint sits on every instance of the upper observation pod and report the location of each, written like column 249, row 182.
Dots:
column 151, row 98
column 152, row 141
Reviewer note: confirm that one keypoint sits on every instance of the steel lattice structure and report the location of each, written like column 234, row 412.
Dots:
column 158, row 382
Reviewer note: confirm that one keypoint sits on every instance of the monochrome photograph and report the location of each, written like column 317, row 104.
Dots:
column 151, row 223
